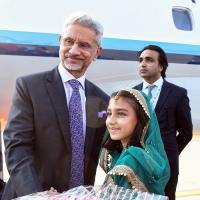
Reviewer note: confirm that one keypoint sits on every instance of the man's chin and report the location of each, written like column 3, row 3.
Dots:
column 73, row 67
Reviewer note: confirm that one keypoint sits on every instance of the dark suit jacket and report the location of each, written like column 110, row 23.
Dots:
column 173, row 113
column 37, row 136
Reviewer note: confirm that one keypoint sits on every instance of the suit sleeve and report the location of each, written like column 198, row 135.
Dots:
column 184, row 122
column 19, row 143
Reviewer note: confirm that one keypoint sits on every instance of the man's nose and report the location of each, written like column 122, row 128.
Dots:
column 74, row 49
column 142, row 63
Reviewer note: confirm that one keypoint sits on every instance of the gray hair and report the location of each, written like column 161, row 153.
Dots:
column 87, row 21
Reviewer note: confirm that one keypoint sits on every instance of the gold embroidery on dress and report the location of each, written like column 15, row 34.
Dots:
column 139, row 97
column 105, row 160
column 141, row 100
column 133, row 179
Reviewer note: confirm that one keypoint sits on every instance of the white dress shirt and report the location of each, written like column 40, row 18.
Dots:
column 66, row 76
column 155, row 91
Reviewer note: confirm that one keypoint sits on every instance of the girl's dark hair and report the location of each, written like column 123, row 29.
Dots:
column 115, row 145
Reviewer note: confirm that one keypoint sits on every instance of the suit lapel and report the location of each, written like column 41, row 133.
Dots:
column 57, row 95
column 139, row 87
column 90, row 132
column 165, row 90
column 163, row 95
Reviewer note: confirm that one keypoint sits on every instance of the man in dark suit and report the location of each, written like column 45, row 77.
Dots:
column 38, row 136
column 171, row 105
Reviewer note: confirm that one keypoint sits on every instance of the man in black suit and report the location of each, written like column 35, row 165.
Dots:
column 38, row 146
column 171, row 105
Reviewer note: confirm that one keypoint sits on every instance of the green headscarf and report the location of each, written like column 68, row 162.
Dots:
column 147, row 168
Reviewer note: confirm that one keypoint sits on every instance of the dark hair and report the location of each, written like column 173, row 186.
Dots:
column 115, row 145
column 162, row 58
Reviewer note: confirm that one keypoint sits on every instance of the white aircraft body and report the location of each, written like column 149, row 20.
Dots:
column 29, row 32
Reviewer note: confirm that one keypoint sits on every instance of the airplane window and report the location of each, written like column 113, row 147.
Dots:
column 182, row 19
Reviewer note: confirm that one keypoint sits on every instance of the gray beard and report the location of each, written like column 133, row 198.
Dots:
column 72, row 67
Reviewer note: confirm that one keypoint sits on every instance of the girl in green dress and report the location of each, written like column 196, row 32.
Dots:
column 134, row 155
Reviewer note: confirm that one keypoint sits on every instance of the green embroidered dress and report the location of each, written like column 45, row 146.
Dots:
column 147, row 168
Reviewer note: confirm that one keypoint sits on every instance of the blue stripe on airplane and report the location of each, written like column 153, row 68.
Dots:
column 46, row 44
column 32, row 38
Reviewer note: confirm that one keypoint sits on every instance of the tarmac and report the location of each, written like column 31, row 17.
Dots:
column 189, row 175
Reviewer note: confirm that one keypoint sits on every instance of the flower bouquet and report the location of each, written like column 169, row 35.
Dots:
column 105, row 192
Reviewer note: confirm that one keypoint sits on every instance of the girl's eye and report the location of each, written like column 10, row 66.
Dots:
column 121, row 114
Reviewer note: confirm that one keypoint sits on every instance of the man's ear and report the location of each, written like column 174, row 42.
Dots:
column 99, row 50
column 161, row 68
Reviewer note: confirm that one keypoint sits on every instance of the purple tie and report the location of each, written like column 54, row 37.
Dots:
column 77, row 137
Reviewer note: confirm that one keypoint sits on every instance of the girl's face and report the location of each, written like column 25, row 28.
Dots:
column 121, row 120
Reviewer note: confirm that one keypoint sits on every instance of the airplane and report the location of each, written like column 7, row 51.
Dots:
column 29, row 32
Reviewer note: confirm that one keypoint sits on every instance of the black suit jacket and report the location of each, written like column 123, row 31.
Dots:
column 37, row 136
column 174, row 115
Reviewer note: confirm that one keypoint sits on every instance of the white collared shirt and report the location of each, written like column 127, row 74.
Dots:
column 66, row 76
column 155, row 91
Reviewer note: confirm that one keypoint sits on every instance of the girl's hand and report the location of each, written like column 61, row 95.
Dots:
column 52, row 191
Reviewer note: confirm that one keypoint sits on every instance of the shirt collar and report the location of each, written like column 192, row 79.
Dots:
column 157, row 83
column 66, row 76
